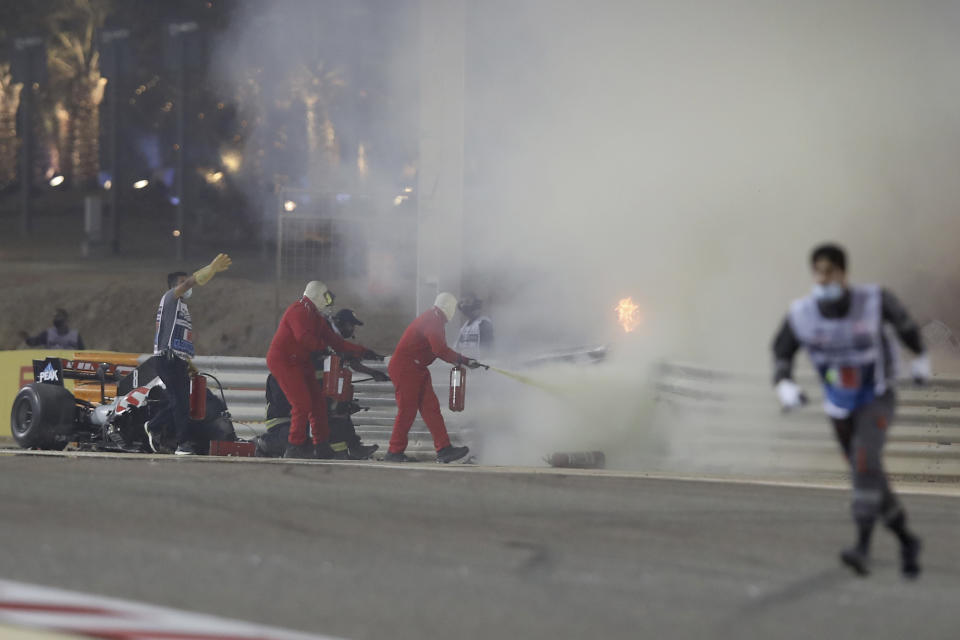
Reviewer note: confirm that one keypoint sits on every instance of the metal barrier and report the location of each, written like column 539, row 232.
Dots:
column 738, row 420
column 244, row 386
column 730, row 419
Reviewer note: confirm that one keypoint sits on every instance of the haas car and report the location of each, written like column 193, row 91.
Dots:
column 107, row 408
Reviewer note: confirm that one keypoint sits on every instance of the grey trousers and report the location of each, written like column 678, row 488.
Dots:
column 862, row 436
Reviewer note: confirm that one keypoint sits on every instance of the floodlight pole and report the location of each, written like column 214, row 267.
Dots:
column 177, row 31
column 26, row 159
column 29, row 47
column 112, row 38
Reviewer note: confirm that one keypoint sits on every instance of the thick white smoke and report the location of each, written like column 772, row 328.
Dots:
column 691, row 153
column 688, row 154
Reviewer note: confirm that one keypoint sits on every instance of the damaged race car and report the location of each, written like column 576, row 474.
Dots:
column 107, row 408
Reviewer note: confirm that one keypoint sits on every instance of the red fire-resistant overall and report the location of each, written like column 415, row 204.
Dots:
column 302, row 331
column 423, row 342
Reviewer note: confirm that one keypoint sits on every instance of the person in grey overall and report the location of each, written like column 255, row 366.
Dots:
column 59, row 336
column 842, row 327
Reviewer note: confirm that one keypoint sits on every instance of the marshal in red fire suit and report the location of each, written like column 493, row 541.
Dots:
column 423, row 342
column 302, row 331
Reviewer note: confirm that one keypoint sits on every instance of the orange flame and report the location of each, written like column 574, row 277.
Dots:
column 628, row 314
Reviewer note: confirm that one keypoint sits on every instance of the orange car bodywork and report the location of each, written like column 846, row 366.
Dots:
column 89, row 390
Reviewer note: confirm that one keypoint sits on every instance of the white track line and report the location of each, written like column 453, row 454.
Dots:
column 947, row 487
column 28, row 606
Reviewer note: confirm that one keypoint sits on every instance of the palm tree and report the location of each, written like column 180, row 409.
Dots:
column 75, row 66
column 318, row 86
column 9, row 143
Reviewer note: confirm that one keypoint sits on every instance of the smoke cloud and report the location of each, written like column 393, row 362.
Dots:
column 691, row 153
column 688, row 154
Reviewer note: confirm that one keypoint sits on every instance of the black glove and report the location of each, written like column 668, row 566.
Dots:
column 370, row 354
column 380, row 376
column 317, row 358
column 471, row 363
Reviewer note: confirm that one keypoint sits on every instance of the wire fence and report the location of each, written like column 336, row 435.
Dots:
column 337, row 237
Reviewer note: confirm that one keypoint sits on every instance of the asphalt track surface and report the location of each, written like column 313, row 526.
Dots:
column 370, row 550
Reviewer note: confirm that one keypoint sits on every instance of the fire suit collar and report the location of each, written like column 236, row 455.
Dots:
column 308, row 303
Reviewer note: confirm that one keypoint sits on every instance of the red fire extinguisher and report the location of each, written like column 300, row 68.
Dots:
column 458, row 387
column 337, row 380
column 198, row 397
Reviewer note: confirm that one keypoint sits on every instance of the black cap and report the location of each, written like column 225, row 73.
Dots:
column 347, row 315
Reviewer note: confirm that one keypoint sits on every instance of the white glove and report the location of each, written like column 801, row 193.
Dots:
column 920, row 369
column 221, row 263
column 790, row 394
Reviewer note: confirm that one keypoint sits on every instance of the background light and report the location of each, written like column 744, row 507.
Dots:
column 231, row 161
column 56, row 181
column 289, row 205
column 140, row 184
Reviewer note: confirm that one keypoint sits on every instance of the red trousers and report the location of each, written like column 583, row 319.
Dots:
column 299, row 383
column 414, row 390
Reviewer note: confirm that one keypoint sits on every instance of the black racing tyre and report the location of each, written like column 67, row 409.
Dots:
column 41, row 413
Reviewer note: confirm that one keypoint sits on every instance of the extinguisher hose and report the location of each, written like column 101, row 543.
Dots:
column 219, row 385
column 527, row 380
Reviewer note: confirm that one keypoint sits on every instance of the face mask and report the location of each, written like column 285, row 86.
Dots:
column 187, row 293
column 830, row 292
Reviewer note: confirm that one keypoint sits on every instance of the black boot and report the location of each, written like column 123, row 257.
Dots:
column 324, row 451
column 858, row 556
column 260, row 449
column 910, row 557
column 362, row 451
column 451, row 453
column 909, row 545
column 186, row 449
column 857, row 560
column 303, row 451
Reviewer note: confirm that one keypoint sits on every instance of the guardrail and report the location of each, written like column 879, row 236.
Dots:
column 722, row 421
column 738, row 422
column 244, row 382
column 708, row 419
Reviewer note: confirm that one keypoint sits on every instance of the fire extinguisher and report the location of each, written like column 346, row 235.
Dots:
column 458, row 387
column 337, row 379
column 198, row 397
column 331, row 367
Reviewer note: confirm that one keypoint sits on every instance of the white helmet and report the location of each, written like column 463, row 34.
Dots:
column 447, row 303
column 318, row 294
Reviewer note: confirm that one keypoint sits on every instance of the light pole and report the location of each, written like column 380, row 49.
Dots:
column 30, row 68
column 177, row 34
column 113, row 65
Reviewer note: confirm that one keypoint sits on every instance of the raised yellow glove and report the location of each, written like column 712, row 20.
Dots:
column 221, row 263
